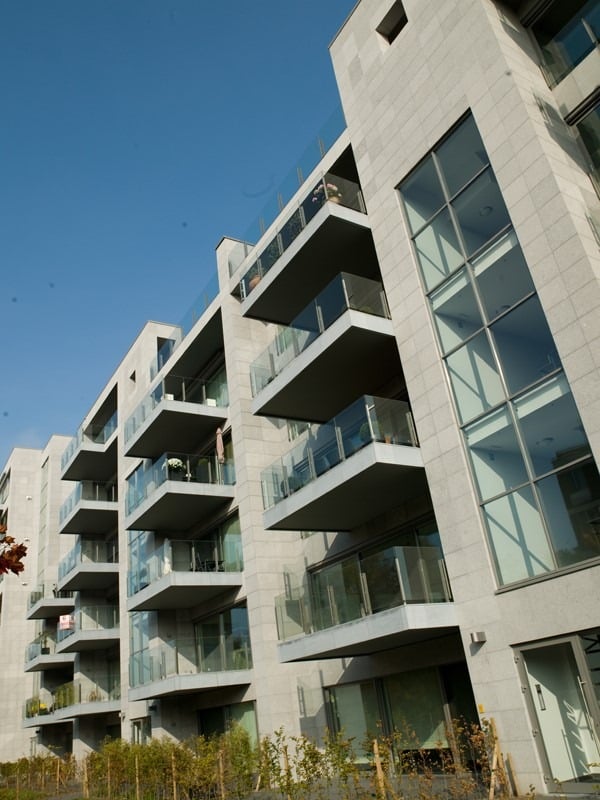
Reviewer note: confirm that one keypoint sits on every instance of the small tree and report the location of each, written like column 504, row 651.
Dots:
column 11, row 553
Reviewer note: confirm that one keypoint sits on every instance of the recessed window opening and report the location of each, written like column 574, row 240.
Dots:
column 393, row 22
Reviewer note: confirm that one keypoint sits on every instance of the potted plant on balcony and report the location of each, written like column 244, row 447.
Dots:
column 253, row 277
column 175, row 465
column 326, row 191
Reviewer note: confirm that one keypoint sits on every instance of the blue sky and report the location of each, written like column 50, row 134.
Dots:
column 135, row 133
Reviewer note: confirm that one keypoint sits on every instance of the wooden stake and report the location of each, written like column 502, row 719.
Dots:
column 493, row 771
column 286, row 767
column 137, row 777
column 498, row 773
column 108, row 777
column 221, row 774
column 86, row 785
column 173, row 775
column 378, row 770
column 57, row 775
column 513, row 777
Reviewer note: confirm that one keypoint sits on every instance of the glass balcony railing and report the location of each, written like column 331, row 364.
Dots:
column 323, row 446
column 186, row 390
column 330, row 188
column 82, row 690
column 182, row 555
column 46, row 590
column 177, row 467
column 97, row 434
column 88, row 550
column 566, row 37
column 308, row 161
column 88, row 490
column 360, row 586
column 192, row 315
column 343, row 293
column 42, row 645
column 36, row 707
column 188, row 656
column 87, row 618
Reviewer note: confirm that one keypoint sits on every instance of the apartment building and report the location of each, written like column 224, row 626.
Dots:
column 358, row 484
column 31, row 491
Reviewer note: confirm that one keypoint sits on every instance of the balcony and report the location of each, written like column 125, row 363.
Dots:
column 176, row 411
column 78, row 698
column 345, row 331
column 90, row 508
column 90, row 564
column 185, row 665
column 566, row 38
column 185, row 573
column 328, row 229
column 41, row 655
column 194, row 313
column 177, row 490
column 341, row 473
column 89, row 628
column 311, row 157
column 92, row 452
column 383, row 599
column 47, row 602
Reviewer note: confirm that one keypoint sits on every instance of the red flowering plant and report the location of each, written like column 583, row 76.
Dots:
column 11, row 553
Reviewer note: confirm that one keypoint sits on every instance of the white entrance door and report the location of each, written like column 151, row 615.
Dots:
column 563, row 697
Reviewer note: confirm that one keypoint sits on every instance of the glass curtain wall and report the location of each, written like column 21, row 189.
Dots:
column 538, row 486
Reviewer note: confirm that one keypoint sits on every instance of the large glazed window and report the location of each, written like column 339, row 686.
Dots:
column 416, row 709
column 537, row 483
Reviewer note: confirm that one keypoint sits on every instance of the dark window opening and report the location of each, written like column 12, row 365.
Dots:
column 393, row 22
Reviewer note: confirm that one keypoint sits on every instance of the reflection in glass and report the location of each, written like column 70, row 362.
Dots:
column 480, row 211
column 438, row 250
column 495, row 454
column 589, row 130
column 462, row 156
column 551, row 426
column 571, row 504
column 474, row 378
column 380, row 572
column 525, row 345
column 517, row 537
column 502, row 276
column 336, row 594
column 566, row 33
column 422, row 194
column 333, row 303
column 417, row 709
column 456, row 312
column 356, row 714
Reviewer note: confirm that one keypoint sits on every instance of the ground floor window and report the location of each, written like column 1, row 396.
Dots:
column 141, row 730
column 416, row 709
column 214, row 721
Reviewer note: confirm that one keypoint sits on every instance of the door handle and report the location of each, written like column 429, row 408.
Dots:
column 540, row 696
